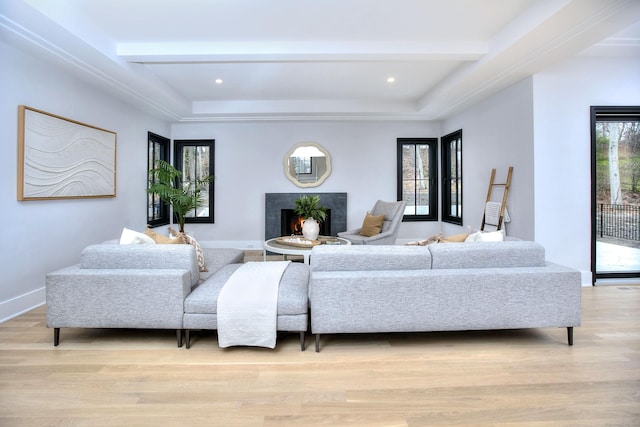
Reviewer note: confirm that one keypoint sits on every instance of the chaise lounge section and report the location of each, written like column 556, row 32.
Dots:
column 200, row 307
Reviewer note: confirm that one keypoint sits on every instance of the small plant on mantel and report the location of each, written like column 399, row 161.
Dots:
column 183, row 197
column 310, row 207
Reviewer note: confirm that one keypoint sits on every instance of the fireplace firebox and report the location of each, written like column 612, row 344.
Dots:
column 292, row 223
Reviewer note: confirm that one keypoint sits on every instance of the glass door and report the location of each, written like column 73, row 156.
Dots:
column 615, row 140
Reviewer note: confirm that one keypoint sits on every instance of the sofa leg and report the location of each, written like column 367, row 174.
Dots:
column 570, row 335
column 187, row 338
column 317, row 343
column 179, row 337
column 302, row 341
column 56, row 336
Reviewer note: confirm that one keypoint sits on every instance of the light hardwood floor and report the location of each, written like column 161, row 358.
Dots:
column 499, row 378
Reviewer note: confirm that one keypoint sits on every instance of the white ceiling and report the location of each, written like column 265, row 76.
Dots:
column 298, row 59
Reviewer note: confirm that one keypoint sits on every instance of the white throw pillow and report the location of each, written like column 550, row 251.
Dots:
column 485, row 236
column 472, row 237
column 130, row 237
column 490, row 236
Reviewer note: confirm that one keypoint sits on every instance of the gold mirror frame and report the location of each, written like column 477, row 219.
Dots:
column 307, row 164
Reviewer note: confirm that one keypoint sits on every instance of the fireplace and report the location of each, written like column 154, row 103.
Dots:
column 279, row 209
column 291, row 223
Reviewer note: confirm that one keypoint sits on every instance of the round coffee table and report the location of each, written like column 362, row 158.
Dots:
column 272, row 245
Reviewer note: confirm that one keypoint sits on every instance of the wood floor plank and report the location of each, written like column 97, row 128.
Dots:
column 493, row 378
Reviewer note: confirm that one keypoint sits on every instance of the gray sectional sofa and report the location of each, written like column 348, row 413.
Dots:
column 440, row 287
column 348, row 289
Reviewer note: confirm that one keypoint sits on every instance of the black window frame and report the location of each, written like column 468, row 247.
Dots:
column 448, row 144
column 158, row 148
column 601, row 114
column 432, row 166
column 178, row 146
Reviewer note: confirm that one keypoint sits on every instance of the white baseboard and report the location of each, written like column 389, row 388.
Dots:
column 21, row 304
column 586, row 278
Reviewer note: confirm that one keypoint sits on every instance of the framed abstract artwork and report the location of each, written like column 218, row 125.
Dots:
column 59, row 158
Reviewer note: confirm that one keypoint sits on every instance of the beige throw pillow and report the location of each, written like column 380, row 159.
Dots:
column 372, row 225
column 164, row 240
column 455, row 238
column 193, row 242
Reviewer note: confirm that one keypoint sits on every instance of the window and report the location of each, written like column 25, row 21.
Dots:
column 302, row 165
column 417, row 178
column 157, row 210
column 452, row 177
column 195, row 159
column 615, row 186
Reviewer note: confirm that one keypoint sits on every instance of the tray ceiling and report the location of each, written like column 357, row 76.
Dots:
column 330, row 59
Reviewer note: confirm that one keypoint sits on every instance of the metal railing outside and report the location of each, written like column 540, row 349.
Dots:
column 619, row 221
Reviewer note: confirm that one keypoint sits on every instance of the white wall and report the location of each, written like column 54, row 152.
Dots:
column 497, row 133
column 563, row 95
column 250, row 162
column 41, row 236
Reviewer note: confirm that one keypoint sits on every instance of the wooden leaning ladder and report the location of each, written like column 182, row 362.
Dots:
column 505, row 194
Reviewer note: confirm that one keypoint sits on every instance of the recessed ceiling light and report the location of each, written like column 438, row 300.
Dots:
column 218, row 81
column 391, row 79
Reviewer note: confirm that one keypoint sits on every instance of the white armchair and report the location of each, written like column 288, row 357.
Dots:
column 393, row 212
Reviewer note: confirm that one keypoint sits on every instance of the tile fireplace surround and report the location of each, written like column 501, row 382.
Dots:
column 276, row 202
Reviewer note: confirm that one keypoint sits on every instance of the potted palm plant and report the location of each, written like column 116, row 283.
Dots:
column 309, row 208
column 183, row 197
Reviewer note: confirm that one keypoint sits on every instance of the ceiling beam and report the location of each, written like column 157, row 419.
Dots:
column 236, row 52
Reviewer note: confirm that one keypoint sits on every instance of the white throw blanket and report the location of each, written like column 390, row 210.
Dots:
column 248, row 305
column 492, row 213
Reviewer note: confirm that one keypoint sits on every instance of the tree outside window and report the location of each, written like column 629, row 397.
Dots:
column 452, row 177
column 157, row 210
column 195, row 159
column 417, row 178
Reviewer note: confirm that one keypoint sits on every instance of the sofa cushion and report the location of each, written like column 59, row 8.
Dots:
column 115, row 256
column 216, row 258
column 292, row 294
column 487, row 255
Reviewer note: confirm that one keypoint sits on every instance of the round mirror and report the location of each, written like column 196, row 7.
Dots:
column 307, row 164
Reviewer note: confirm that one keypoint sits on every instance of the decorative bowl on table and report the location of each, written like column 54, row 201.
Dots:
column 329, row 241
column 297, row 241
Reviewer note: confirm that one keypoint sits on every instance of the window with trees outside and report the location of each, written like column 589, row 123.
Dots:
column 451, row 146
column 417, row 169
column 157, row 210
column 615, row 139
column 195, row 160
